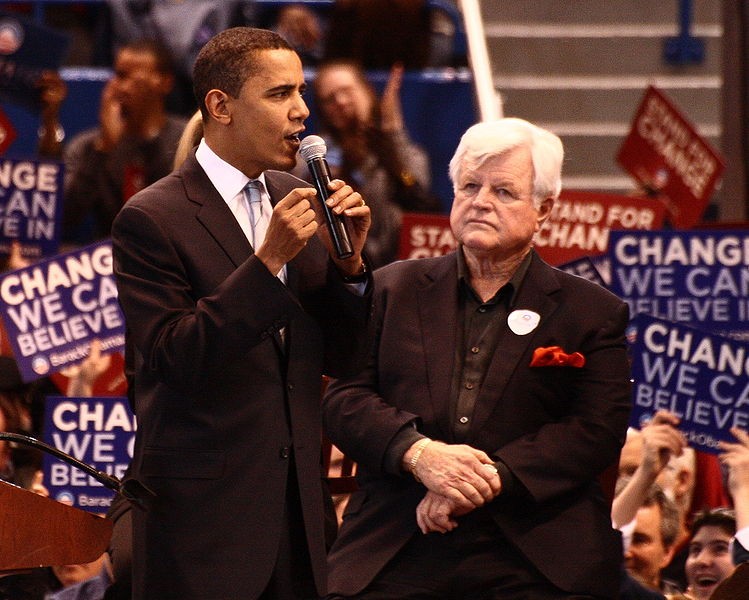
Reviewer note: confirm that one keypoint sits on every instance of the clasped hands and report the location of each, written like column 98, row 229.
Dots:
column 458, row 479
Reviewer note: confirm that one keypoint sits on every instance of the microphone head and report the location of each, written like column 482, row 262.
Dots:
column 313, row 146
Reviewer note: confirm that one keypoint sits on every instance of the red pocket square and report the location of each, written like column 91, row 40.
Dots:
column 554, row 356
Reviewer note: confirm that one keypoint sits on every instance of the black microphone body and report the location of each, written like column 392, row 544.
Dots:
column 313, row 152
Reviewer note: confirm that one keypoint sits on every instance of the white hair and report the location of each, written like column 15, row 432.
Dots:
column 492, row 138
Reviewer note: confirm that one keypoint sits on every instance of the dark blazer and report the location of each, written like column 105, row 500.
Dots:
column 740, row 554
column 556, row 428
column 222, row 401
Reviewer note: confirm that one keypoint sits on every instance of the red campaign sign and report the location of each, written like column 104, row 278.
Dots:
column 580, row 222
column 7, row 132
column 424, row 235
column 664, row 152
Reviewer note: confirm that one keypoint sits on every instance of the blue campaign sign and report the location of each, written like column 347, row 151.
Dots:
column 701, row 377
column 698, row 277
column 30, row 206
column 97, row 431
column 53, row 310
column 585, row 268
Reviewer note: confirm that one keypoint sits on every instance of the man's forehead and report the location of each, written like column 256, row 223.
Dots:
column 711, row 535
column 277, row 68
column 648, row 517
column 135, row 55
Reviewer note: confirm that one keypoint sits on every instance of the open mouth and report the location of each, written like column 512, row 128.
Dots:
column 706, row 581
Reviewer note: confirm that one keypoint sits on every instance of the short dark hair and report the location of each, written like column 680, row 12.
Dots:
column 669, row 514
column 724, row 518
column 228, row 60
column 162, row 55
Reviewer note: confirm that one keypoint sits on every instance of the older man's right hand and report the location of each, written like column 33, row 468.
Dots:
column 462, row 474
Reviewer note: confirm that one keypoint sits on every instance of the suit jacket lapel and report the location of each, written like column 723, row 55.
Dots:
column 437, row 297
column 277, row 193
column 535, row 294
column 213, row 212
column 218, row 219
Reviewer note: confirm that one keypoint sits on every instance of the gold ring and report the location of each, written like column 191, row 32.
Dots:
column 363, row 203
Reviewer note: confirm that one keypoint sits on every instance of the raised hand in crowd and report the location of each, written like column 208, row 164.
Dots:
column 660, row 441
column 736, row 457
column 15, row 259
column 390, row 102
column 300, row 26
column 83, row 376
column 53, row 92
column 111, row 121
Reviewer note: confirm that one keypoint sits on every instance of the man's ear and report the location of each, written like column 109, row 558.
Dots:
column 217, row 103
column 544, row 211
column 684, row 483
column 668, row 557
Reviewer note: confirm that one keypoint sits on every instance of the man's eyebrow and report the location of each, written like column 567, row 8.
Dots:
column 286, row 87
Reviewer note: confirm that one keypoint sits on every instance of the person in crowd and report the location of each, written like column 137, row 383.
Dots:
column 233, row 314
column 654, row 535
column 735, row 455
column 185, row 26
column 132, row 147
column 10, row 421
column 182, row 27
column 714, row 570
column 709, row 561
column 489, row 406
column 303, row 28
column 369, row 146
column 657, row 453
column 60, row 582
column 190, row 138
column 88, row 581
column 380, row 33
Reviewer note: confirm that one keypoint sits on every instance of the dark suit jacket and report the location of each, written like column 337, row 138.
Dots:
column 740, row 554
column 556, row 428
column 221, row 401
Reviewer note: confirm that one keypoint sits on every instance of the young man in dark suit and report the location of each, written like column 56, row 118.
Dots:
column 496, row 392
column 231, row 328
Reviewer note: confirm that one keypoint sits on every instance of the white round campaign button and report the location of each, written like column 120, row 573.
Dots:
column 522, row 322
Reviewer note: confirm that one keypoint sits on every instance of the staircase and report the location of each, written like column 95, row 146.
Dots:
column 580, row 69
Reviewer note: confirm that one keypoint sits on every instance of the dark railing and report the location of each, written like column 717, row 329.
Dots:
column 684, row 48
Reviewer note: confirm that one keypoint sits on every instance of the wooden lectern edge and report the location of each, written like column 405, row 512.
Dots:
column 36, row 531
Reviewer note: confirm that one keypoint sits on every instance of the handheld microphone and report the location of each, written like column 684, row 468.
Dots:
column 313, row 152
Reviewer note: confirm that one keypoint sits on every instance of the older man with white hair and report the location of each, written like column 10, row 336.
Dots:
column 496, row 393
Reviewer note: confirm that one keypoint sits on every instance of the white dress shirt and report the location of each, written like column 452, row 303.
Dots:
column 230, row 183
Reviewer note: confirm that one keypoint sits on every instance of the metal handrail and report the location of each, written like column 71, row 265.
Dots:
column 489, row 101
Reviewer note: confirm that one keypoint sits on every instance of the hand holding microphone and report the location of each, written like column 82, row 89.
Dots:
column 313, row 152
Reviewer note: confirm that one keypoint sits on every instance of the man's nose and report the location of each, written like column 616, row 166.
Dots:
column 299, row 110
column 483, row 198
column 340, row 98
column 704, row 557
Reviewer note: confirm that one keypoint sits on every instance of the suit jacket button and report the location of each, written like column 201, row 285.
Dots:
column 284, row 452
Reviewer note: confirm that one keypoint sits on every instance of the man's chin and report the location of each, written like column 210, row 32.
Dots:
column 286, row 163
column 637, row 577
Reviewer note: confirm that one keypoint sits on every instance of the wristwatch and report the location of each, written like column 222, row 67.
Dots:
column 360, row 277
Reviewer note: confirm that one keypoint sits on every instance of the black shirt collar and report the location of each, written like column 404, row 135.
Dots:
column 509, row 290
